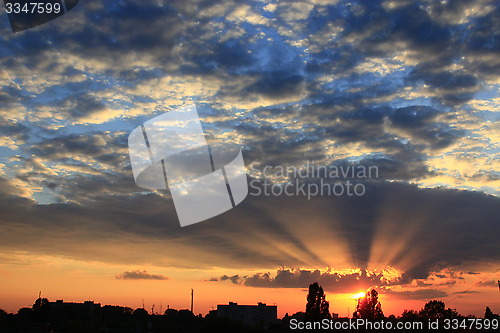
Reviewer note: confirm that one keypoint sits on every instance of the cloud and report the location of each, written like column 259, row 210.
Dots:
column 262, row 231
column 420, row 123
column 419, row 294
column 300, row 278
column 234, row 279
column 465, row 292
column 491, row 283
column 389, row 282
column 139, row 275
column 278, row 84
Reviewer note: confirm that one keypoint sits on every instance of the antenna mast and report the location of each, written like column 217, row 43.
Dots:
column 192, row 300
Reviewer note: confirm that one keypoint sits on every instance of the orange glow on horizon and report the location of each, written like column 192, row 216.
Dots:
column 25, row 275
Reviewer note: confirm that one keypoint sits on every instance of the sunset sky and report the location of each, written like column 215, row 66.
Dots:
column 411, row 87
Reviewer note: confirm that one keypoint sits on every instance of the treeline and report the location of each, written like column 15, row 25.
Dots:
column 59, row 317
column 370, row 308
column 47, row 317
column 88, row 317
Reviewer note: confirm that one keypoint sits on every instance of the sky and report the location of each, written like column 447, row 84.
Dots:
column 408, row 87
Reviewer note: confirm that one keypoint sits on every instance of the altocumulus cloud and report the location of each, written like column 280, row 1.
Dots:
column 139, row 275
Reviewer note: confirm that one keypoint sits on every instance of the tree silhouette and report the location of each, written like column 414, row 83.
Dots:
column 369, row 307
column 140, row 313
column 317, row 307
column 437, row 310
column 40, row 303
column 488, row 314
column 410, row 315
column 3, row 318
column 41, row 309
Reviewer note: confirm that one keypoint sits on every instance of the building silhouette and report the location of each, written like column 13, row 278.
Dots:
column 251, row 315
column 76, row 311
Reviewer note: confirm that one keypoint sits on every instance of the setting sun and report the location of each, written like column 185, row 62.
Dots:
column 359, row 295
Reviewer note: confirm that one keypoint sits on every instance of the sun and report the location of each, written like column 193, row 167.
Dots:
column 359, row 295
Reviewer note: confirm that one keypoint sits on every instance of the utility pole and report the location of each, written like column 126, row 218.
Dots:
column 192, row 299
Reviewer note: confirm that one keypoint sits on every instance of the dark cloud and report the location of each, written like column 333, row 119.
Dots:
column 482, row 43
column 139, row 275
column 14, row 130
column 236, row 279
column 10, row 95
column 414, row 116
column 104, row 147
column 419, row 294
column 230, row 56
column 83, row 105
column 491, row 283
column 452, row 88
column 278, row 84
column 340, row 282
column 375, row 31
column 420, row 123
column 330, row 281
column 92, row 164
column 112, row 36
column 413, row 24
column 442, row 228
column 403, row 156
column 465, row 292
